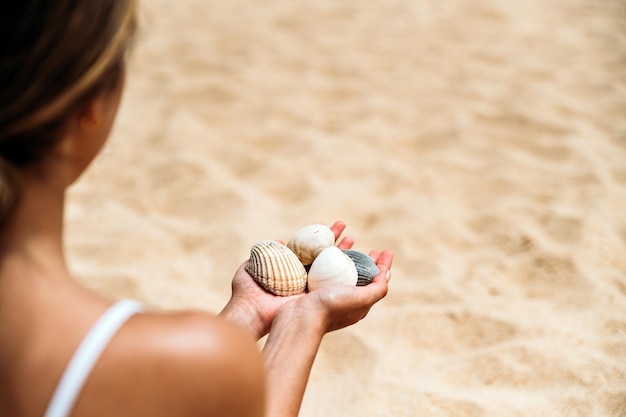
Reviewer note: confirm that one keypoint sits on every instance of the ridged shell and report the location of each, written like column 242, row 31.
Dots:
column 309, row 241
column 366, row 268
column 276, row 268
column 332, row 267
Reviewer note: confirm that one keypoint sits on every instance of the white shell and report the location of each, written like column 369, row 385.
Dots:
column 332, row 267
column 309, row 241
column 276, row 268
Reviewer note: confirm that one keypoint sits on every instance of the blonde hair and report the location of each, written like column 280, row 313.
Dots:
column 54, row 56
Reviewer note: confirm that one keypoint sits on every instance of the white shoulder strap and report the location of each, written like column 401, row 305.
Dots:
column 87, row 355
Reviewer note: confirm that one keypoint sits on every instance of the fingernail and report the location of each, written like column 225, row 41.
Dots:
column 388, row 275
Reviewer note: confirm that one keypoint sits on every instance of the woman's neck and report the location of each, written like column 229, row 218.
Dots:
column 33, row 239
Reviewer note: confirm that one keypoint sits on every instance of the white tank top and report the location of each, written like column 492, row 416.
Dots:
column 86, row 356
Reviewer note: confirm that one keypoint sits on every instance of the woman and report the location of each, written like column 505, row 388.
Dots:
column 67, row 351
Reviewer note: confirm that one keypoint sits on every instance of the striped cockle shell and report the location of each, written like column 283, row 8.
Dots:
column 276, row 268
column 366, row 268
column 332, row 267
column 309, row 241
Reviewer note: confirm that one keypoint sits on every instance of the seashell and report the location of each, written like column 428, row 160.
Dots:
column 332, row 267
column 276, row 268
column 366, row 268
column 309, row 241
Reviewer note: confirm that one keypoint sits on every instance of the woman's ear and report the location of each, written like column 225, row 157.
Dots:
column 90, row 117
column 88, row 128
column 85, row 133
column 84, row 123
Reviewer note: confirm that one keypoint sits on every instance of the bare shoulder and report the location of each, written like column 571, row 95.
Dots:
column 184, row 364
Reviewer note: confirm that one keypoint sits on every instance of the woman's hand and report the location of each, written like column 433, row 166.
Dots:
column 339, row 306
column 252, row 306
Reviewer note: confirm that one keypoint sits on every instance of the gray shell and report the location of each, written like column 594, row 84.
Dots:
column 365, row 266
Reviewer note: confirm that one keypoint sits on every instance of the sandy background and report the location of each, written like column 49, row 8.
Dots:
column 483, row 141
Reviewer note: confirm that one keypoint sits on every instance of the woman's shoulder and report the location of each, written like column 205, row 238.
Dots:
column 187, row 363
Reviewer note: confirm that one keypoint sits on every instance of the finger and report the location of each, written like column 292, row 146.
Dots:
column 374, row 255
column 384, row 259
column 377, row 289
column 346, row 243
column 338, row 227
column 383, row 262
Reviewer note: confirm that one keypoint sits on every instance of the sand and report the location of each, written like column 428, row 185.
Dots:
column 483, row 141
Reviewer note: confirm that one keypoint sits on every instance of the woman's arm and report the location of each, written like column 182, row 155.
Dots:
column 298, row 329
column 289, row 354
column 297, row 324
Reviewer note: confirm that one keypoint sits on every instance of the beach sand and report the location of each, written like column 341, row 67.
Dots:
column 483, row 141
